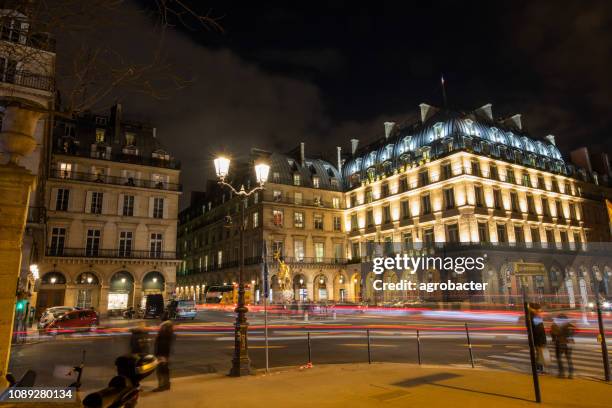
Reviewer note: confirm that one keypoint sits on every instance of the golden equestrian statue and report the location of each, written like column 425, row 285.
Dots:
column 284, row 273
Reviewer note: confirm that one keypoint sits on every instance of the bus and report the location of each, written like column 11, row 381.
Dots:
column 226, row 294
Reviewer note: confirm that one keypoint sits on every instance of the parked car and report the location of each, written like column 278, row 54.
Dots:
column 154, row 306
column 53, row 313
column 75, row 320
column 186, row 309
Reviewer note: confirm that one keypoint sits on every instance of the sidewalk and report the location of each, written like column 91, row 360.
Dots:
column 379, row 384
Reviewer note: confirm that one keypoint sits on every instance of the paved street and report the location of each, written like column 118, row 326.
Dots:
column 206, row 344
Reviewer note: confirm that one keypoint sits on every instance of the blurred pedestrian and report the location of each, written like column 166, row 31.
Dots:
column 163, row 347
column 139, row 341
column 562, row 333
column 539, row 339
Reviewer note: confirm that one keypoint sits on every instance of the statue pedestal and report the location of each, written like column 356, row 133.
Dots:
column 16, row 184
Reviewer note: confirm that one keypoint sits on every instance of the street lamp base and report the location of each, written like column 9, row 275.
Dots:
column 240, row 368
column 241, row 363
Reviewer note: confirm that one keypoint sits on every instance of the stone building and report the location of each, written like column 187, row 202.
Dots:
column 27, row 88
column 298, row 215
column 112, row 204
column 451, row 183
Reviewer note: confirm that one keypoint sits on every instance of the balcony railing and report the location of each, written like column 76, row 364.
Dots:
column 76, row 150
column 119, row 181
column 270, row 198
column 28, row 80
column 109, row 253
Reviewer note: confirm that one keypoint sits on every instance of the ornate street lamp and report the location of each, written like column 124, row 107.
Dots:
column 241, row 364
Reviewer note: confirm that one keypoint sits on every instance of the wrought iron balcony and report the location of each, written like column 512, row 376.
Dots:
column 109, row 253
column 28, row 80
column 119, row 181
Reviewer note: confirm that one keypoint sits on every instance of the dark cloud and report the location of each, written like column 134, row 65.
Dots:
column 324, row 74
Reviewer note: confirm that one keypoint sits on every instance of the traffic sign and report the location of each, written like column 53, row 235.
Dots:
column 529, row 269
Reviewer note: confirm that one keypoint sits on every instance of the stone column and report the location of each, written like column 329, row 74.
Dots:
column 103, row 303
column 16, row 184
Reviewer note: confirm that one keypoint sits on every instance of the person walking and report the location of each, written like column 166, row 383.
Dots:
column 163, row 346
column 539, row 340
column 562, row 333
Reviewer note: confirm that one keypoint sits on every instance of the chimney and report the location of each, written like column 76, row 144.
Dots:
column 116, row 114
column 154, row 132
column 580, row 157
column 516, row 119
column 388, row 129
column 486, row 110
column 354, row 144
column 426, row 111
column 551, row 139
column 339, row 158
column 302, row 154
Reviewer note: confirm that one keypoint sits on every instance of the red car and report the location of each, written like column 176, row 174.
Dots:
column 74, row 320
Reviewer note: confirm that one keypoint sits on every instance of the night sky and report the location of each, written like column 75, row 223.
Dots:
column 324, row 73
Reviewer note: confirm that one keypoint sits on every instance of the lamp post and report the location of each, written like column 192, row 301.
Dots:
column 241, row 364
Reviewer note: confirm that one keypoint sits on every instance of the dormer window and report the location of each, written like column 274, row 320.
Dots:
column 469, row 125
column 316, row 182
column 437, row 130
column 160, row 155
column 297, row 180
column 130, row 138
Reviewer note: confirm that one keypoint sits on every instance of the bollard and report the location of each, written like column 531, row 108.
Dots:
column 418, row 347
column 369, row 352
column 604, row 346
column 467, row 333
column 309, row 350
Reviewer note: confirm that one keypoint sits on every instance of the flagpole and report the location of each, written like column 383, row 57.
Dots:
column 443, row 89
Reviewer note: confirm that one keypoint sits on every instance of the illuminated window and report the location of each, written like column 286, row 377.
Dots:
column 336, row 202
column 297, row 180
column 319, row 248
column 65, row 169
column 337, row 223
column 298, row 250
column 100, row 135
column 298, row 219
column 277, row 218
column 130, row 139
column 316, row 182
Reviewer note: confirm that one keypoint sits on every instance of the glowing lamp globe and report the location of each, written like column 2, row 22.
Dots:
column 222, row 166
column 261, row 172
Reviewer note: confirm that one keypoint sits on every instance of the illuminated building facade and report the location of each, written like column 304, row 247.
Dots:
column 111, row 201
column 458, row 182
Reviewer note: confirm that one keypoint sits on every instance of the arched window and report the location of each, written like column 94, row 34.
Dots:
column 53, row 278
